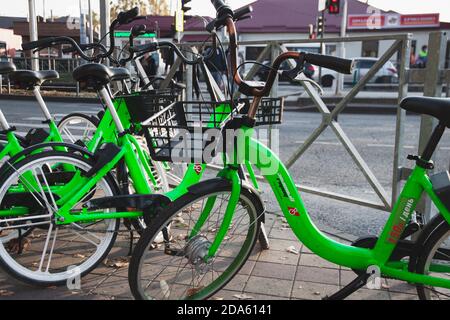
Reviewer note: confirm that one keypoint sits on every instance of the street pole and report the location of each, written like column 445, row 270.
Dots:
column 105, row 20
column 83, row 33
column 91, row 24
column 33, row 33
column 43, row 10
column 340, row 77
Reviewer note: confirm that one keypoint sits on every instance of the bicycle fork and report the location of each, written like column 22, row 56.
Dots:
column 233, row 176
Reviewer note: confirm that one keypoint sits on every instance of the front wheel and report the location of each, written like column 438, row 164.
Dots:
column 178, row 268
column 30, row 196
column 434, row 260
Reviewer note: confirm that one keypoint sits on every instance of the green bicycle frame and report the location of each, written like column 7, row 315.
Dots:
column 303, row 227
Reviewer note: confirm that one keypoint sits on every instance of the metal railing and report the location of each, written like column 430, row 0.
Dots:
column 401, row 46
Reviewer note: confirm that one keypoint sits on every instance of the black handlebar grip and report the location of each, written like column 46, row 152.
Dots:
column 47, row 42
column 127, row 16
column 222, row 9
column 337, row 64
column 138, row 30
column 239, row 13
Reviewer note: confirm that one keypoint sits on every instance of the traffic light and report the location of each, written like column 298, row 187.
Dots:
column 334, row 6
column 320, row 26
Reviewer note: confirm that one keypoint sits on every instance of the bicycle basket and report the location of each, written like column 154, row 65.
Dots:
column 142, row 105
column 181, row 131
column 270, row 111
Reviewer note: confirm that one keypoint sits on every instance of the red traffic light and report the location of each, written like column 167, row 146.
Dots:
column 333, row 6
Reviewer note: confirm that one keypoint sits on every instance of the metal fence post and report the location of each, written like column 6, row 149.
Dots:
column 401, row 115
column 275, row 52
column 189, row 75
column 432, row 88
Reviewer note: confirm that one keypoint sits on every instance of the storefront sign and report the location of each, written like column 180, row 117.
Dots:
column 393, row 21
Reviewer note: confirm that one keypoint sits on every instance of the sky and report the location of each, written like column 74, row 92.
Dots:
column 203, row 7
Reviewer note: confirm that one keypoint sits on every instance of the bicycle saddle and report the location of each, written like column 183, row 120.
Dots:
column 29, row 79
column 7, row 67
column 435, row 107
column 99, row 75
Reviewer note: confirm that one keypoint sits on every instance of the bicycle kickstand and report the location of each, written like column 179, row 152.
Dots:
column 352, row 287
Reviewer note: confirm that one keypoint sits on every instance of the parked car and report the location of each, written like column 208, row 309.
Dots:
column 263, row 73
column 387, row 74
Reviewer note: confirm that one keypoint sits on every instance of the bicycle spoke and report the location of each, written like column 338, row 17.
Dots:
column 44, row 252
column 69, row 135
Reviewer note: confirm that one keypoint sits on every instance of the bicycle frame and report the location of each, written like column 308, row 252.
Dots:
column 296, row 214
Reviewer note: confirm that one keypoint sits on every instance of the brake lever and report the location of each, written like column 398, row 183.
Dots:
column 301, row 77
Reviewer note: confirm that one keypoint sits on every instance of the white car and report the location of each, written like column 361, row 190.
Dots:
column 387, row 74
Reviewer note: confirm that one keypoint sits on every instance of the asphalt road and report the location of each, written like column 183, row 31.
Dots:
column 326, row 165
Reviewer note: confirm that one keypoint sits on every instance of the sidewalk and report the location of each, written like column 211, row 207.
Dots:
column 268, row 275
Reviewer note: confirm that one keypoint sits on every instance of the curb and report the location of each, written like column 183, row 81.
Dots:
column 49, row 99
column 362, row 107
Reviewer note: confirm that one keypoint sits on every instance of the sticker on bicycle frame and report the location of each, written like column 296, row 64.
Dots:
column 406, row 208
column 198, row 168
column 294, row 212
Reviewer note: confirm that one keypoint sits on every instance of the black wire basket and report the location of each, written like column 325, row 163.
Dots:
column 142, row 105
column 181, row 132
column 270, row 111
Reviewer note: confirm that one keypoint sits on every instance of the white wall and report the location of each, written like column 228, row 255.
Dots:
column 12, row 41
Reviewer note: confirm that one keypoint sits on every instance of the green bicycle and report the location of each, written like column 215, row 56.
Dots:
column 76, row 213
column 202, row 254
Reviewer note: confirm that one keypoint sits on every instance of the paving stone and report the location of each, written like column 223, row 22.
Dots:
column 275, row 287
column 366, row 294
column 282, row 233
column 237, row 283
column 282, row 257
column 401, row 287
column 274, row 270
column 114, row 286
column 312, row 291
column 227, row 295
column 282, row 245
column 248, row 267
column 315, row 261
column 403, row 296
column 319, row 275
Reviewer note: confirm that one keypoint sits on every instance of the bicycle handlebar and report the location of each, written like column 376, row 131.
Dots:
column 225, row 16
column 127, row 16
column 123, row 18
column 85, row 47
column 238, row 15
column 334, row 63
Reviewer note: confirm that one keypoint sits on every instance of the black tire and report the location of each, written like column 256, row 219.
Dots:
column 327, row 81
column 92, row 119
column 113, row 187
column 166, row 216
column 433, row 241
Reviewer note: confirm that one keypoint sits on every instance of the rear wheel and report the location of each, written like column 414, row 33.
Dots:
column 435, row 260
column 178, row 268
column 77, row 127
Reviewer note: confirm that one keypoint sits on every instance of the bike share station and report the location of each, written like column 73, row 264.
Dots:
column 207, row 228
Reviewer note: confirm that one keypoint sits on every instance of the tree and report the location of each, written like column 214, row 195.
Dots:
column 147, row 7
